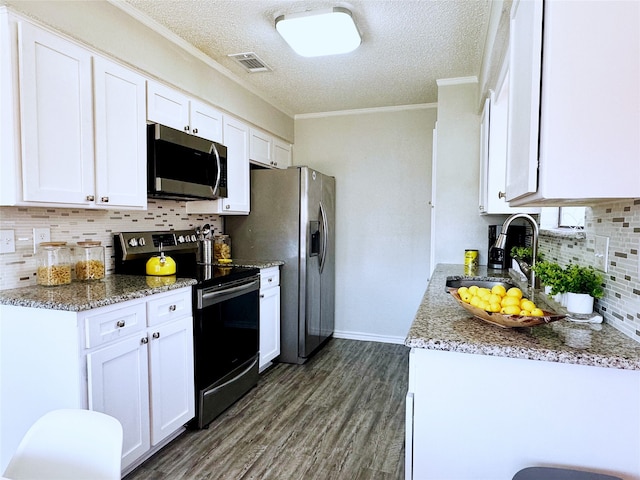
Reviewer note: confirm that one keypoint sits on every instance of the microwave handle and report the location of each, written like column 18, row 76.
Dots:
column 215, row 150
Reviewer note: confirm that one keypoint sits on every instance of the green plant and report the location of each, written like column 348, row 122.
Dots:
column 577, row 279
column 525, row 254
column 549, row 273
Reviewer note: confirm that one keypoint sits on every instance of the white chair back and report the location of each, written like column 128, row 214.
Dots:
column 69, row 444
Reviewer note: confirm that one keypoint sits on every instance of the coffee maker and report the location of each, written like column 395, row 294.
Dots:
column 500, row 258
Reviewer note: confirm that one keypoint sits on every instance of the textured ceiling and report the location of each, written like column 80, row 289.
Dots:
column 406, row 46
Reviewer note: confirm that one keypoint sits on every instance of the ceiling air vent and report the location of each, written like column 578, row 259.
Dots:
column 251, row 62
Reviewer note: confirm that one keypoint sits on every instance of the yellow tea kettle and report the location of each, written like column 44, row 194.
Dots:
column 161, row 265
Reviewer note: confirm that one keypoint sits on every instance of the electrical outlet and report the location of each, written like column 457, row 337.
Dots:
column 601, row 252
column 40, row 235
column 7, row 241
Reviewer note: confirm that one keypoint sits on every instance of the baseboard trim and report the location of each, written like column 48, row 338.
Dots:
column 368, row 337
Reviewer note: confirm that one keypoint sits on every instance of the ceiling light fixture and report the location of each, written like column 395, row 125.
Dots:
column 315, row 33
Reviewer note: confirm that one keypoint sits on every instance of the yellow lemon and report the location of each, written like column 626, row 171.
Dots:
column 495, row 298
column 536, row 312
column 511, row 310
column 525, row 313
column 466, row 297
column 499, row 290
column 483, row 291
column 510, row 301
column 495, row 307
column 484, row 305
column 527, row 304
column 462, row 291
column 475, row 300
column 473, row 289
column 514, row 292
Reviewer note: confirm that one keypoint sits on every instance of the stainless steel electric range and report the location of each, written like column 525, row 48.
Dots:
column 226, row 310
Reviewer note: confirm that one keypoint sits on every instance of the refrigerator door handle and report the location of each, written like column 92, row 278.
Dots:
column 325, row 236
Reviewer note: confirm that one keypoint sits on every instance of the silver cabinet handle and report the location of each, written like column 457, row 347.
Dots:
column 502, row 195
column 104, row 199
column 195, row 130
column 144, row 340
column 90, row 198
column 156, row 335
column 227, row 207
column 120, row 324
column 172, row 308
column 262, row 295
column 186, row 128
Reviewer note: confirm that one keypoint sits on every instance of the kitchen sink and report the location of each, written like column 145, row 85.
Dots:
column 467, row 282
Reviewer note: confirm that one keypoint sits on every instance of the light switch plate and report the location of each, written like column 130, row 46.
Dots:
column 40, row 235
column 7, row 241
column 601, row 252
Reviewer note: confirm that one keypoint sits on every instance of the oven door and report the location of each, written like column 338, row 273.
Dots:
column 226, row 332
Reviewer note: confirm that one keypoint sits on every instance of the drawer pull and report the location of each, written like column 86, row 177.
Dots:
column 120, row 324
column 270, row 280
column 172, row 308
column 156, row 335
column 262, row 296
column 144, row 340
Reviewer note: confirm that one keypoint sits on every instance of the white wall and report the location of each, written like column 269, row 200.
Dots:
column 458, row 224
column 382, row 163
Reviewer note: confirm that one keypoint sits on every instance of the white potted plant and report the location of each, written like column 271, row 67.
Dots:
column 582, row 285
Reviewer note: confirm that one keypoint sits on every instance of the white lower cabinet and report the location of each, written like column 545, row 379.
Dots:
column 132, row 360
column 269, row 315
column 480, row 416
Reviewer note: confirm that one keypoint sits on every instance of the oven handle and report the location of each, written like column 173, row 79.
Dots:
column 234, row 379
column 206, row 299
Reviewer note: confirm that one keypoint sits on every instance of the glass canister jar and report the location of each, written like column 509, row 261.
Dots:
column 54, row 264
column 89, row 260
column 222, row 247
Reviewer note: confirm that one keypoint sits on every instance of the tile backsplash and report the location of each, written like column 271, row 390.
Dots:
column 75, row 224
column 620, row 222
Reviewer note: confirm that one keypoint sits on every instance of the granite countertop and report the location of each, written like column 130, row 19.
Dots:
column 253, row 263
column 80, row 296
column 442, row 324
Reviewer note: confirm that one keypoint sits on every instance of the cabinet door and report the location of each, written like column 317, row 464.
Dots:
column 269, row 325
column 281, row 154
column 524, row 98
column 118, row 385
column 236, row 139
column 172, row 377
column 56, row 118
column 167, row 106
column 260, row 149
column 205, row 121
column 121, row 144
column 484, row 157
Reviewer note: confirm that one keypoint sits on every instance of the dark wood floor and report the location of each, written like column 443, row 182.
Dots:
column 339, row 416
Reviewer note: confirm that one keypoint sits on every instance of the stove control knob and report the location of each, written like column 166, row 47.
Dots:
column 141, row 242
column 181, row 239
column 193, row 238
column 133, row 242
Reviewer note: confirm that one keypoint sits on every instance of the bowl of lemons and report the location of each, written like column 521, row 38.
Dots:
column 502, row 306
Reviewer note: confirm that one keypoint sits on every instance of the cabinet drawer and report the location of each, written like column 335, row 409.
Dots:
column 167, row 306
column 114, row 323
column 269, row 277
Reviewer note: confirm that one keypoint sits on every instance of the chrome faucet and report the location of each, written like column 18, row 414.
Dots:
column 501, row 241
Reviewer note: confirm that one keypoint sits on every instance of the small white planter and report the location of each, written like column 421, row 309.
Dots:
column 581, row 303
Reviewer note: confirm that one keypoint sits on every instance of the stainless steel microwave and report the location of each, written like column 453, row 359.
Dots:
column 181, row 166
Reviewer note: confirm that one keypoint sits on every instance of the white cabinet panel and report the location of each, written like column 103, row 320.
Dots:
column 206, row 121
column 167, row 106
column 269, row 315
column 121, row 142
column 281, row 154
column 56, row 118
column 260, row 149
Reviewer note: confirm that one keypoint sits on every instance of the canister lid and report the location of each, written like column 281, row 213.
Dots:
column 89, row 243
column 52, row 244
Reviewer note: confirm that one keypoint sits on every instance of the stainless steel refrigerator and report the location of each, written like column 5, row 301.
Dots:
column 293, row 219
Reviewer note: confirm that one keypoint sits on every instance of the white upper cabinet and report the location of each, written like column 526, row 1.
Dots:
column 56, row 118
column 120, row 135
column 79, row 136
column 236, row 139
column 493, row 153
column 574, row 105
column 269, row 151
column 172, row 108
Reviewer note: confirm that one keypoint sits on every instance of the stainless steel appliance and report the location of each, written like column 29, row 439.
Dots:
column 226, row 312
column 500, row 258
column 184, row 167
column 293, row 219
